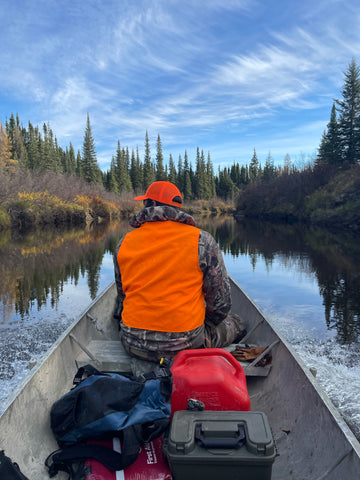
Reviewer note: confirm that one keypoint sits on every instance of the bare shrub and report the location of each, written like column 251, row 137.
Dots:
column 63, row 186
column 283, row 196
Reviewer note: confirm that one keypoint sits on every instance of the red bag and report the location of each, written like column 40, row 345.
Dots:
column 150, row 464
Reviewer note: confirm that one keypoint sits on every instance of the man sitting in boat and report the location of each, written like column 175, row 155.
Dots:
column 173, row 288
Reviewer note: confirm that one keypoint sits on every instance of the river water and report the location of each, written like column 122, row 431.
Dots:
column 306, row 280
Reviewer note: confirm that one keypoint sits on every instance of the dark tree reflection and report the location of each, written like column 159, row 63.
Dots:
column 34, row 268
column 333, row 258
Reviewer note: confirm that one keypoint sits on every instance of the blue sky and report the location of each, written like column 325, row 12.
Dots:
column 227, row 77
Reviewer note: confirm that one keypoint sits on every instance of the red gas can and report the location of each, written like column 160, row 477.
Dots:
column 211, row 375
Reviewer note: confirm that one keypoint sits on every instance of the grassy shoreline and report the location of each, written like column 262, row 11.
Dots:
column 37, row 209
column 54, row 201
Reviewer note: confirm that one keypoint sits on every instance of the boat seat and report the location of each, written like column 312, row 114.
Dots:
column 110, row 356
column 105, row 355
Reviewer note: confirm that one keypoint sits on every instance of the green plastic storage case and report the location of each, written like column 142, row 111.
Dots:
column 215, row 445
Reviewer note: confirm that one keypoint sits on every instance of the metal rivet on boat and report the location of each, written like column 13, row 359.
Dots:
column 32, row 363
column 313, row 370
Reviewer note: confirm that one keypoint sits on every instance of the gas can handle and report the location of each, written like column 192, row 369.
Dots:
column 182, row 356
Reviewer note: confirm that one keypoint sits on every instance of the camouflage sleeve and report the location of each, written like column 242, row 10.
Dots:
column 118, row 282
column 216, row 285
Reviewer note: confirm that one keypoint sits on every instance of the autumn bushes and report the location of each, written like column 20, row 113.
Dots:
column 28, row 200
column 41, row 208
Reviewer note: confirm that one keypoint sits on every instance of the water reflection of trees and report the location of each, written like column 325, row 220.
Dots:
column 35, row 268
column 334, row 259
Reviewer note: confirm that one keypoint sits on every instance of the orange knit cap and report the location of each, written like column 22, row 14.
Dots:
column 163, row 192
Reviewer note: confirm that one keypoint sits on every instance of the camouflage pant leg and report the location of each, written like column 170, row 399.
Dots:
column 153, row 345
column 229, row 331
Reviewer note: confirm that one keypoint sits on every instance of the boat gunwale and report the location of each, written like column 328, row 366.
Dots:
column 27, row 379
column 348, row 433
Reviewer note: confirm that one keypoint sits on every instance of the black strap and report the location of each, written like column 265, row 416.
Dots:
column 61, row 460
column 154, row 429
column 89, row 370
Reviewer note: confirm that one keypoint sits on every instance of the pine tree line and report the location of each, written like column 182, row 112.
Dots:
column 38, row 150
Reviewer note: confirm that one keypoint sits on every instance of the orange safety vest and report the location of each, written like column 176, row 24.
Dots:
column 161, row 277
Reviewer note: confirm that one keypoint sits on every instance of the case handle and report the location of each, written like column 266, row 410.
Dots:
column 232, row 442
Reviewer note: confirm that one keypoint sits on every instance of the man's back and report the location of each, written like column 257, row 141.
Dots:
column 161, row 277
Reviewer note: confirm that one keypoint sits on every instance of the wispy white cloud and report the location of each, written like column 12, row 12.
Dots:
column 192, row 71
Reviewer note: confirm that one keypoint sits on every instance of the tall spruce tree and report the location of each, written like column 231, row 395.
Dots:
column 235, row 173
column 112, row 184
column 244, row 174
column 89, row 166
column 160, row 171
column 33, row 154
column 135, row 171
column 330, row 146
column 78, row 170
column 201, row 189
column 188, row 192
column 180, row 174
column 349, row 115
column 10, row 128
column 172, row 171
column 148, row 167
column 20, row 151
column 269, row 171
column 72, row 160
column 49, row 158
column 254, row 167
column 121, row 170
column 210, row 177
column 16, row 135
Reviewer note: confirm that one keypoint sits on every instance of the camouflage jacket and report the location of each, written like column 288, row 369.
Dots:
column 216, row 288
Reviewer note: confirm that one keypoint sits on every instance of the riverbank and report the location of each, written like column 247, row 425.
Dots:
column 38, row 209
column 323, row 196
column 41, row 209
column 327, row 197
column 59, row 201
column 30, row 201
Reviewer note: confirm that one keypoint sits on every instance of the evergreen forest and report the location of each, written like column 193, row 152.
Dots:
column 37, row 150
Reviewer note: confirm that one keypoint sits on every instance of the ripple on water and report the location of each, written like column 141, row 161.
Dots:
column 19, row 345
column 338, row 366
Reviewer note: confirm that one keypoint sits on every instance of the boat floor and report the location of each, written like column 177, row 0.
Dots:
column 313, row 441
column 289, row 426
